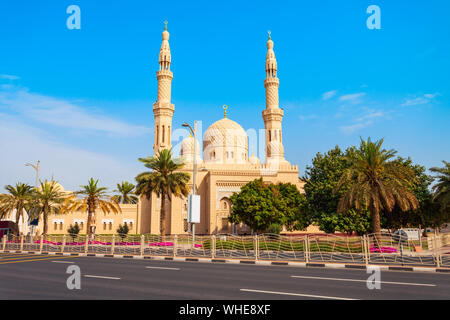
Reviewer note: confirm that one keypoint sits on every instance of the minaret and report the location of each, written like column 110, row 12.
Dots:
column 272, row 115
column 162, row 108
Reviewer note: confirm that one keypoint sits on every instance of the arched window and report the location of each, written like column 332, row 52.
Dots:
column 157, row 134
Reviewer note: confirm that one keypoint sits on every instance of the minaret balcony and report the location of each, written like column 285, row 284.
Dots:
column 273, row 114
column 271, row 81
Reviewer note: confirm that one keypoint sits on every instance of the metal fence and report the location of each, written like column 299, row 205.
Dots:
column 381, row 249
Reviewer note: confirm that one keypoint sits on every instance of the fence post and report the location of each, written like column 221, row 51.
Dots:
column 142, row 245
column 175, row 242
column 213, row 246
column 63, row 243
column 366, row 249
column 21, row 242
column 113, row 243
column 86, row 244
column 436, row 252
column 307, row 249
column 256, row 246
column 41, row 243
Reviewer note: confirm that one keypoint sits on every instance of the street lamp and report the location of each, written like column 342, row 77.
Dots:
column 194, row 134
column 36, row 167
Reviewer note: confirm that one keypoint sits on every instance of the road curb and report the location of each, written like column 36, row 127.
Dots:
column 238, row 261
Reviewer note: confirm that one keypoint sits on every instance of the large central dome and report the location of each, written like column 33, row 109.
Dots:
column 225, row 141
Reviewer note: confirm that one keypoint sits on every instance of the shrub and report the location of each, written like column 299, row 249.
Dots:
column 123, row 230
column 73, row 230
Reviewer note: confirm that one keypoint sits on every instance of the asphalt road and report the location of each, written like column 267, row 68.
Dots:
column 44, row 277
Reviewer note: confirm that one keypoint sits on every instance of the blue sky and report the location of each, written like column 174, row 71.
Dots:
column 80, row 101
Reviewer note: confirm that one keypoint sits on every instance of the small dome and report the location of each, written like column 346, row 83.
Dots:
column 165, row 35
column 187, row 150
column 225, row 141
column 254, row 159
column 59, row 187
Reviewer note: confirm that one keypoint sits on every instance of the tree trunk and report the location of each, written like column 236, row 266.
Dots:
column 88, row 225
column 45, row 223
column 18, row 214
column 374, row 212
column 162, row 218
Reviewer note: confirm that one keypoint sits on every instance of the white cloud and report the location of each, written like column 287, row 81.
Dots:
column 308, row 117
column 425, row 99
column 355, row 127
column 329, row 94
column 352, row 97
column 8, row 77
column 371, row 115
column 366, row 119
column 71, row 166
column 63, row 113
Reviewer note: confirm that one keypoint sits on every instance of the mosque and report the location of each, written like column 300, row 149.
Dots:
column 226, row 165
column 223, row 167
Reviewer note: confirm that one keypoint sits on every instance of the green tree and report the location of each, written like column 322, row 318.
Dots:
column 164, row 180
column 420, row 187
column 48, row 200
column 321, row 179
column 442, row 187
column 260, row 205
column 19, row 199
column 350, row 221
column 274, row 228
column 126, row 193
column 376, row 182
column 73, row 231
column 93, row 198
column 123, row 230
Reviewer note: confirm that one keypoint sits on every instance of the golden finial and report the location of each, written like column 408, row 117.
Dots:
column 165, row 27
column 269, row 34
column 225, row 107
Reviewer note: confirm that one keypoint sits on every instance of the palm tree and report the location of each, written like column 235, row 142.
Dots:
column 19, row 199
column 126, row 194
column 442, row 188
column 375, row 183
column 163, row 180
column 93, row 197
column 48, row 199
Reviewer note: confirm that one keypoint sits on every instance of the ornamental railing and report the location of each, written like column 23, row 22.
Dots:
column 374, row 249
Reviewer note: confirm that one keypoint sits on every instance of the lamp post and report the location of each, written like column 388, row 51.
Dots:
column 193, row 132
column 36, row 167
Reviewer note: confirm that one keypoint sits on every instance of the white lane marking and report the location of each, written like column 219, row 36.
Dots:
column 164, row 268
column 101, row 277
column 62, row 262
column 297, row 294
column 356, row 280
